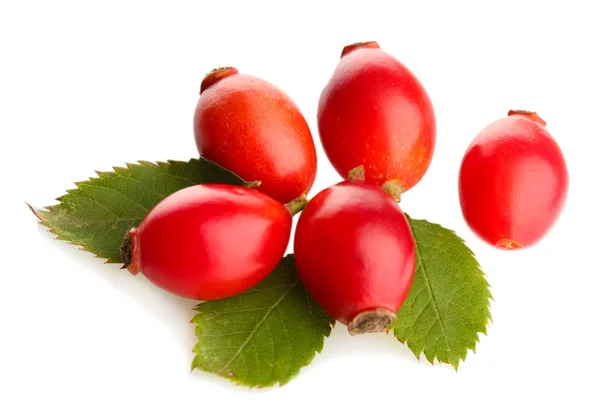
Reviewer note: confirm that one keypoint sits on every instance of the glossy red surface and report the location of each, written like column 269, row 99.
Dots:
column 354, row 250
column 254, row 129
column 212, row 241
column 513, row 181
column 374, row 112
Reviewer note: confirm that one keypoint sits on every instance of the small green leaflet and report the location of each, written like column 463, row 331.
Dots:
column 99, row 211
column 449, row 302
column 263, row 336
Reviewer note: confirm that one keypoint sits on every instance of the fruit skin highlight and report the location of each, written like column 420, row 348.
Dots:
column 254, row 129
column 513, row 181
column 355, row 253
column 374, row 112
column 208, row 242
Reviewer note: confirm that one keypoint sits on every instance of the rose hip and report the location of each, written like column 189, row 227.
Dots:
column 209, row 241
column 513, row 181
column 355, row 254
column 254, row 129
column 374, row 112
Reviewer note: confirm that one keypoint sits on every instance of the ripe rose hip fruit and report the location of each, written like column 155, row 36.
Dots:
column 355, row 254
column 254, row 129
column 209, row 241
column 374, row 112
column 513, row 181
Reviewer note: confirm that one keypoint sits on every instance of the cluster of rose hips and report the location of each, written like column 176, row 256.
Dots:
column 354, row 249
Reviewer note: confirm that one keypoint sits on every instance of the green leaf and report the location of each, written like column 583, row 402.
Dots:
column 449, row 302
column 99, row 211
column 263, row 336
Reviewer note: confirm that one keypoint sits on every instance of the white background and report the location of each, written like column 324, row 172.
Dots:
column 88, row 85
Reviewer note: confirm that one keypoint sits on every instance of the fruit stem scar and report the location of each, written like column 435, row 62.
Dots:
column 531, row 115
column 393, row 189
column 130, row 251
column 216, row 75
column 357, row 174
column 508, row 244
column 371, row 321
column 359, row 45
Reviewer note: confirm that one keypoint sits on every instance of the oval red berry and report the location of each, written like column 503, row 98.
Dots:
column 254, row 129
column 374, row 112
column 209, row 241
column 513, row 181
column 355, row 254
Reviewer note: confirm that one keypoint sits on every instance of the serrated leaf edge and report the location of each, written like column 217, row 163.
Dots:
column 431, row 358
column 233, row 378
column 39, row 213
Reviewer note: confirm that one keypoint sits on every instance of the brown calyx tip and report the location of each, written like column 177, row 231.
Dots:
column 531, row 115
column 508, row 244
column 130, row 251
column 371, row 321
column 215, row 76
column 359, row 45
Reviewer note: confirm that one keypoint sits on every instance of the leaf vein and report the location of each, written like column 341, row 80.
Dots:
column 253, row 332
column 430, row 289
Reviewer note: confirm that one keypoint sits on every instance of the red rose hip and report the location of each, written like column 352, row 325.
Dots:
column 355, row 254
column 254, row 129
column 209, row 241
column 513, row 181
column 374, row 112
